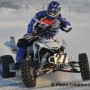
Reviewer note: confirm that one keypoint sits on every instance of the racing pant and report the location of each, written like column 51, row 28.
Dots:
column 23, row 45
column 22, row 49
column 21, row 54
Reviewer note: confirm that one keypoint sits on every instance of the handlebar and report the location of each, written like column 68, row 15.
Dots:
column 38, row 33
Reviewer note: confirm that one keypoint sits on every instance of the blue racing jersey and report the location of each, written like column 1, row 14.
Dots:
column 55, row 23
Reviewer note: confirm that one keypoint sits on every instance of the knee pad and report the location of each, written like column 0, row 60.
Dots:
column 22, row 43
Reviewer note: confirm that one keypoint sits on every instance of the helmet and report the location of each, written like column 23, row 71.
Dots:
column 53, row 9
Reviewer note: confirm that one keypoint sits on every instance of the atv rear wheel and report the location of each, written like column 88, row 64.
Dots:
column 28, row 74
column 84, row 66
column 5, row 61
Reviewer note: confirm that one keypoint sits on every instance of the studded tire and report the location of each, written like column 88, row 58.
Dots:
column 84, row 66
column 28, row 74
column 5, row 61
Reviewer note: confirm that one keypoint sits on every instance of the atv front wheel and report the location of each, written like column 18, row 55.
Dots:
column 28, row 74
column 5, row 61
column 84, row 66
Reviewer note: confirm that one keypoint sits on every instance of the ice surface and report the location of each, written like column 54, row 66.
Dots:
column 13, row 22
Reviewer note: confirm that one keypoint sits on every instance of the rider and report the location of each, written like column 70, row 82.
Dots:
column 53, row 20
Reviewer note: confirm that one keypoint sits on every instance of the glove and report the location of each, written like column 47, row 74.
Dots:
column 66, row 29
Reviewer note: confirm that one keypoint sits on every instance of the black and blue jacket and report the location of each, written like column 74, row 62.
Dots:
column 56, row 23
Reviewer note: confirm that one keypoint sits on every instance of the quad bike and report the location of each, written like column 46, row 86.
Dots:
column 48, row 56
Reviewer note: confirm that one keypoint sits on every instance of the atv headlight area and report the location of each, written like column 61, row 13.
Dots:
column 59, row 58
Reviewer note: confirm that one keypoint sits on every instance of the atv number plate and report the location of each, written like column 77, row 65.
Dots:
column 60, row 58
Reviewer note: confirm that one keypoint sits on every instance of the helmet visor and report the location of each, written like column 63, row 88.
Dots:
column 54, row 12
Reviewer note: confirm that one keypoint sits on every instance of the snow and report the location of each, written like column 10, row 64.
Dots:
column 14, row 23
